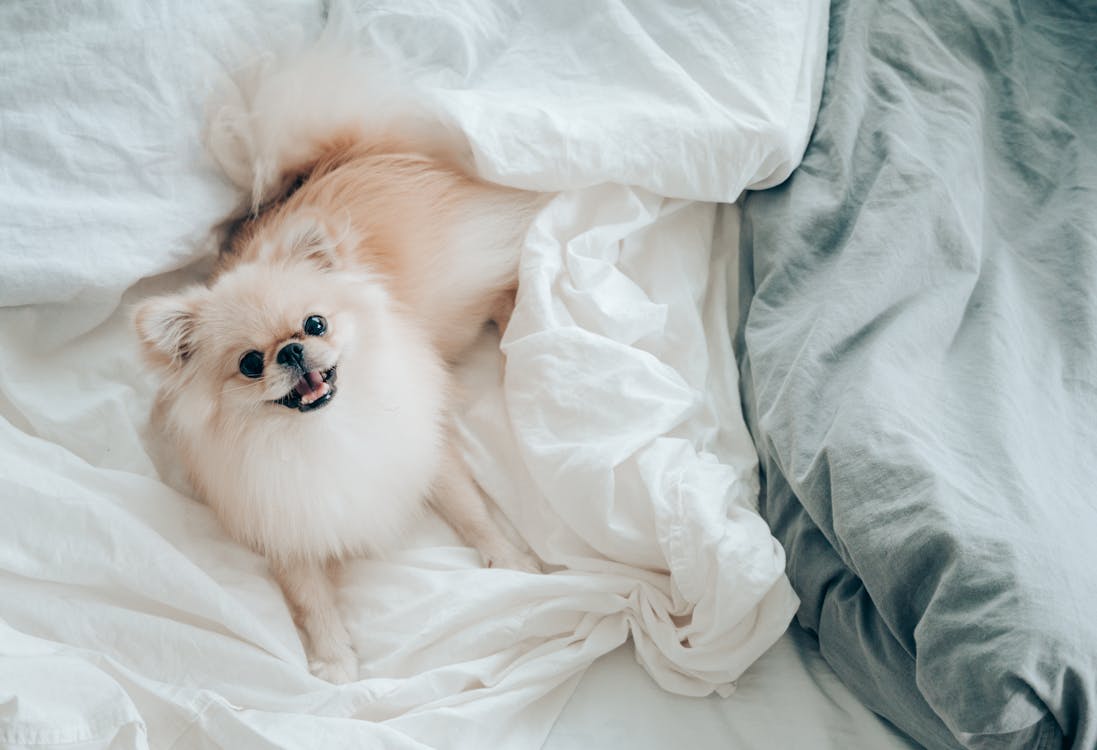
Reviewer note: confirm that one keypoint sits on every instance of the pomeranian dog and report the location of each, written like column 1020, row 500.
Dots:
column 307, row 386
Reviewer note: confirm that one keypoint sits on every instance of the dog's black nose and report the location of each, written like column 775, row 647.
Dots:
column 292, row 355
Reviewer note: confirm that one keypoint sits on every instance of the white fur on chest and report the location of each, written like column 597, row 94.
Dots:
column 347, row 479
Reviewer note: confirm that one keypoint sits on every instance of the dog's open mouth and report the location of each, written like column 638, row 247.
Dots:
column 313, row 390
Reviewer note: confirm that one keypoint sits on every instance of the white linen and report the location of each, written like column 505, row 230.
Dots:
column 790, row 698
column 614, row 444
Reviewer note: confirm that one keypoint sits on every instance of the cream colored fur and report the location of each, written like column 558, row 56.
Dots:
column 367, row 221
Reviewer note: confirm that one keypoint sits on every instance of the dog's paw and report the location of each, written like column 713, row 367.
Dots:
column 513, row 559
column 337, row 670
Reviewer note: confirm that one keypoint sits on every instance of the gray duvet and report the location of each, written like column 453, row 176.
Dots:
column 919, row 355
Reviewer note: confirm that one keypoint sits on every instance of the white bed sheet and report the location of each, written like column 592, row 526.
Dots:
column 614, row 444
column 790, row 698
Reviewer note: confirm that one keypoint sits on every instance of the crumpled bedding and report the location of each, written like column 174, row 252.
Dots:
column 919, row 368
column 613, row 444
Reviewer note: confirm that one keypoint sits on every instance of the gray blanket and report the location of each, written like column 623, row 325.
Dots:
column 919, row 356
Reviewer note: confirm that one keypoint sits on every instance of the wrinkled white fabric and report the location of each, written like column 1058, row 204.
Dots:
column 614, row 443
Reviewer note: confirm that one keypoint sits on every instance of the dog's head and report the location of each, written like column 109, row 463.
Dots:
column 269, row 334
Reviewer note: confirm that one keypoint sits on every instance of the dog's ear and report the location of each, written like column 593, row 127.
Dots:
column 165, row 326
column 306, row 238
column 312, row 241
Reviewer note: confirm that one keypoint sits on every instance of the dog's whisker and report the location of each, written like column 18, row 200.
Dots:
column 236, row 388
column 248, row 386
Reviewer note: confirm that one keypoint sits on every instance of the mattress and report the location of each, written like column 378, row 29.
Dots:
column 613, row 443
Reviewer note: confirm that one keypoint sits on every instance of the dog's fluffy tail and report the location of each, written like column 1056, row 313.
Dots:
column 280, row 116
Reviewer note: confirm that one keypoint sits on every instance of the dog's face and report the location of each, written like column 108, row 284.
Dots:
column 296, row 378
column 267, row 338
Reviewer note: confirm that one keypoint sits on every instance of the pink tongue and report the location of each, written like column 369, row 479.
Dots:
column 310, row 383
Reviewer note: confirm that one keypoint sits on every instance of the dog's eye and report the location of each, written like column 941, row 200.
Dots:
column 315, row 325
column 251, row 364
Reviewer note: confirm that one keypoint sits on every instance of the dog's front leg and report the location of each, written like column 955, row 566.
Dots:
column 311, row 593
column 458, row 499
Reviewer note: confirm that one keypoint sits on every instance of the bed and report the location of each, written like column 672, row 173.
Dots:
column 643, row 362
